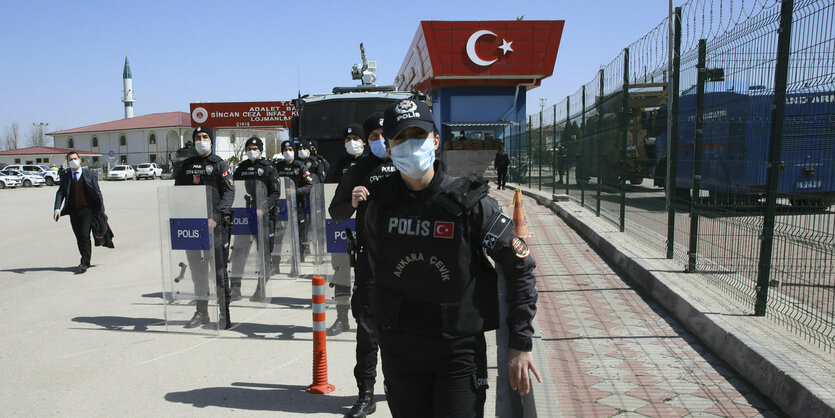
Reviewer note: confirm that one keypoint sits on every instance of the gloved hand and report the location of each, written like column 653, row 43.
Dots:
column 360, row 301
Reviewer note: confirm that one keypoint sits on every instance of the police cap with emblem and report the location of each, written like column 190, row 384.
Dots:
column 287, row 143
column 205, row 129
column 255, row 141
column 405, row 114
column 354, row 129
column 375, row 121
column 305, row 144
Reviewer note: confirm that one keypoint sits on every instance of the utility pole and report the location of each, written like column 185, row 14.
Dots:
column 40, row 126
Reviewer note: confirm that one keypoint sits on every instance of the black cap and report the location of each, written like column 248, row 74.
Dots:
column 404, row 114
column 375, row 121
column 353, row 129
column 304, row 144
column 255, row 141
column 206, row 129
column 285, row 144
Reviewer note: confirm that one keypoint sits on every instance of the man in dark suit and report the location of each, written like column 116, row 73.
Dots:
column 79, row 192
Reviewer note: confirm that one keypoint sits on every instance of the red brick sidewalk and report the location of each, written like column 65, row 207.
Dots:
column 611, row 351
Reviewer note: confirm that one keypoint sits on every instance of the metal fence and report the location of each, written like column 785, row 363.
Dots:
column 712, row 138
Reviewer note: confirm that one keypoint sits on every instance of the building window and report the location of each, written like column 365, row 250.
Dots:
column 152, row 140
column 17, row 160
column 95, row 142
column 46, row 160
column 70, row 143
column 123, row 159
column 232, row 139
column 38, row 160
column 122, row 140
column 153, row 158
column 95, row 160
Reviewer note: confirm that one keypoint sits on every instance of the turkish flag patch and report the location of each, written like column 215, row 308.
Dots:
column 443, row 229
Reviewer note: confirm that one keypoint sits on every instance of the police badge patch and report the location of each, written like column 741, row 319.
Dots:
column 209, row 169
column 195, row 178
column 520, row 248
column 260, row 172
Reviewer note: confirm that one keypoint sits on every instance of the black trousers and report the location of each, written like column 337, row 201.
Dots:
column 367, row 346
column 431, row 377
column 199, row 270
column 81, row 227
column 502, row 176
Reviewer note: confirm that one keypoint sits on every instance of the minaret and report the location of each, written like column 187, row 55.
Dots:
column 127, row 78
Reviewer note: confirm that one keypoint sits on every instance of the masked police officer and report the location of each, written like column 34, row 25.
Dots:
column 349, row 197
column 435, row 292
column 210, row 170
column 294, row 169
column 251, row 171
column 324, row 165
column 311, row 161
column 354, row 138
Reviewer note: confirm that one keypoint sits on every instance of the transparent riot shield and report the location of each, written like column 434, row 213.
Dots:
column 188, row 258
column 249, row 255
column 317, row 214
column 285, row 251
column 340, row 245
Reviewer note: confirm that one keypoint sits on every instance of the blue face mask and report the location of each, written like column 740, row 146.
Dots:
column 378, row 148
column 414, row 157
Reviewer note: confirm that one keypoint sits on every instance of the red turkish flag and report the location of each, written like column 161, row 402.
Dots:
column 443, row 229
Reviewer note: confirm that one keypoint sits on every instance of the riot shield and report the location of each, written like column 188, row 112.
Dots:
column 249, row 268
column 317, row 215
column 285, row 251
column 188, row 258
column 340, row 245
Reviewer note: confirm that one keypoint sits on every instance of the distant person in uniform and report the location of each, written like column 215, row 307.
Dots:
column 80, row 194
column 295, row 170
column 501, row 164
column 435, row 291
column 562, row 162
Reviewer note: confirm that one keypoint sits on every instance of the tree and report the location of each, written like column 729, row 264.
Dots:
column 11, row 138
column 36, row 137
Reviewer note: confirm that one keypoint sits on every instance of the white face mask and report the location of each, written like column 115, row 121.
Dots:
column 354, row 147
column 253, row 154
column 288, row 155
column 414, row 157
column 203, row 147
column 75, row 164
column 303, row 154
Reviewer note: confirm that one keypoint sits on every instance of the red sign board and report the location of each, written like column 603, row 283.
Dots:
column 485, row 53
column 243, row 114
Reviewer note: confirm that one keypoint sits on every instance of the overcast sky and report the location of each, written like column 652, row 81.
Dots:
column 62, row 61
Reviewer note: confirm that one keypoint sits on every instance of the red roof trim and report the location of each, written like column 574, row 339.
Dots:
column 46, row 150
column 154, row 120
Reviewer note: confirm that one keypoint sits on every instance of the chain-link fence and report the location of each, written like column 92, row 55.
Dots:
column 713, row 139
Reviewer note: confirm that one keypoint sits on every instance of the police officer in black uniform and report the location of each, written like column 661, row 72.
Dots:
column 252, row 170
column 311, row 161
column 354, row 138
column 435, row 292
column 210, row 170
column 349, row 197
column 294, row 169
column 324, row 165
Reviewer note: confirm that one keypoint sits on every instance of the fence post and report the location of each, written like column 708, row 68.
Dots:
column 554, row 153
column 565, row 163
column 776, row 141
column 697, row 157
column 624, row 120
column 528, row 146
column 672, row 133
column 540, row 148
column 598, row 142
column 582, row 151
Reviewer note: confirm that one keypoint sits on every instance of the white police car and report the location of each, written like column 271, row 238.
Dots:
column 8, row 181
column 26, row 179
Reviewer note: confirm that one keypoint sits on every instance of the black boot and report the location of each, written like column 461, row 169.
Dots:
column 341, row 324
column 365, row 402
column 201, row 317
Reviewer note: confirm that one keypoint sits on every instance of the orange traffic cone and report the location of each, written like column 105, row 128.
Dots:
column 320, row 383
column 519, row 220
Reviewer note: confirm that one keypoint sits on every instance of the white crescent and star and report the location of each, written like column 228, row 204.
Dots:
column 471, row 53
